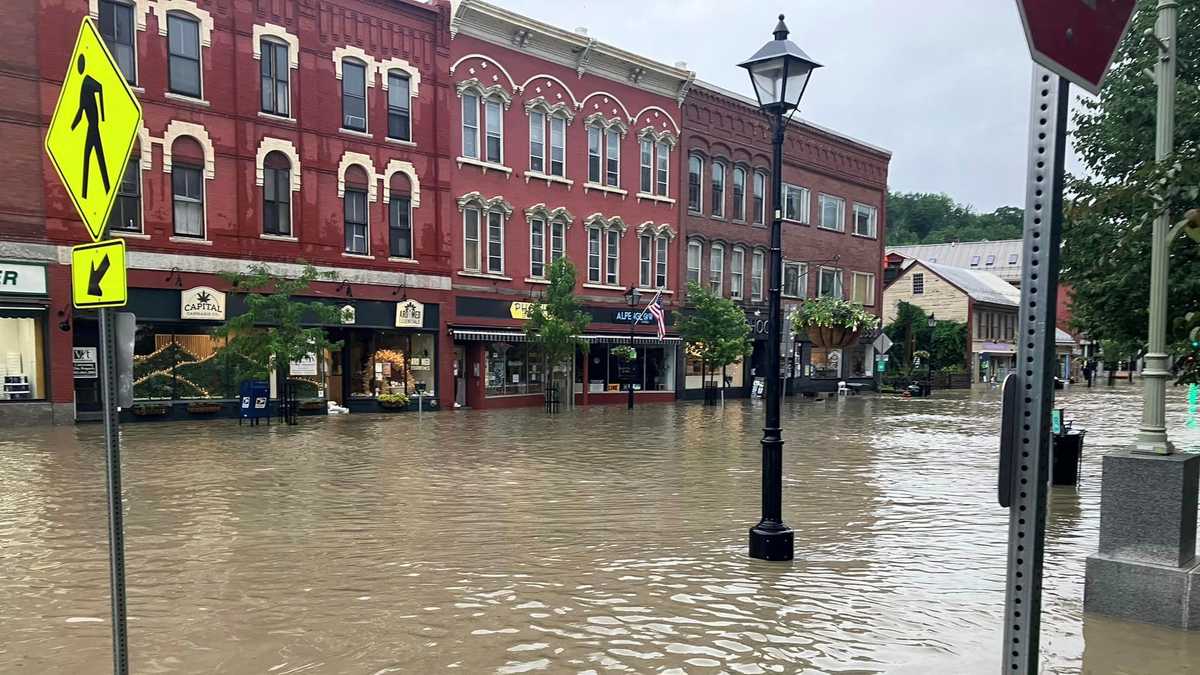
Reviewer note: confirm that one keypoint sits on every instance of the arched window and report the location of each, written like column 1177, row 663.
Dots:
column 695, row 250
column 760, row 197
column 183, row 54
column 277, row 194
column 716, row 267
column 595, row 132
column 695, row 169
column 357, row 223
column 399, row 106
column 661, row 243
column 612, row 157
column 539, row 162
column 757, row 263
column 737, row 270
column 739, row 194
column 126, row 215
column 664, row 162
column 718, row 189
column 354, row 95
column 274, row 73
column 400, row 233
column 187, row 187
column 645, row 259
column 647, row 166
column 491, row 109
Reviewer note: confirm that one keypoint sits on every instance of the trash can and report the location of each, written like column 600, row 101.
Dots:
column 1067, row 455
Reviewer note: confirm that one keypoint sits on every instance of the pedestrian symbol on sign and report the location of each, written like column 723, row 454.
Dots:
column 91, row 104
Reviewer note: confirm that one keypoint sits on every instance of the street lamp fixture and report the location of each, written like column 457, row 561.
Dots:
column 779, row 73
column 634, row 297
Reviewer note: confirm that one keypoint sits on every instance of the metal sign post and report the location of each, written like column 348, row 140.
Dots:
column 116, row 526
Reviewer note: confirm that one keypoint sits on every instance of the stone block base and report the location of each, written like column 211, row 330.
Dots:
column 1137, row 591
column 33, row 413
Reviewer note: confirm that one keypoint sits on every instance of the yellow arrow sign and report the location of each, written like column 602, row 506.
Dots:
column 98, row 274
column 93, row 128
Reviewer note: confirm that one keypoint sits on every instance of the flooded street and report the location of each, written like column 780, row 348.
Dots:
column 513, row 541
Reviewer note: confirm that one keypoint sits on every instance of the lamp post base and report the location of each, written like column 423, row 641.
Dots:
column 771, row 543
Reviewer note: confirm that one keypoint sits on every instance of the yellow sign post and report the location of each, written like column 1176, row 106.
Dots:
column 98, row 274
column 93, row 128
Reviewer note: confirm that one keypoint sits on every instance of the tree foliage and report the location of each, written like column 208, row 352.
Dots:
column 910, row 332
column 926, row 218
column 557, row 320
column 276, row 328
column 1106, row 234
column 714, row 328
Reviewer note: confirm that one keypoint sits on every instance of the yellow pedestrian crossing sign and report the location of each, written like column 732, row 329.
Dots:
column 98, row 274
column 93, row 128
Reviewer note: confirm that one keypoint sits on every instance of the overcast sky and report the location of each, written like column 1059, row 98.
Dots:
column 943, row 84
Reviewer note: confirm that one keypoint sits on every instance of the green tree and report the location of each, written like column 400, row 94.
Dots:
column 1106, row 233
column 926, row 218
column 911, row 333
column 557, row 321
column 714, row 329
column 277, row 328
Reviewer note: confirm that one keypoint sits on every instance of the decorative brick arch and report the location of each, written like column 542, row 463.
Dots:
column 414, row 184
column 164, row 7
column 606, row 100
column 362, row 161
column 547, row 79
column 269, row 145
column 484, row 60
column 414, row 74
column 280, row 33
column 179, row 128
column 350, row 51
column 655, row 117
column 140, row 9
column 144, row 148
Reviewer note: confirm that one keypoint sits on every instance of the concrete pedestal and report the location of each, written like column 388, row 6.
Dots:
column 1146, row 568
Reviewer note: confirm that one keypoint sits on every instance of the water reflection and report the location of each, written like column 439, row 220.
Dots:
column 512, row 541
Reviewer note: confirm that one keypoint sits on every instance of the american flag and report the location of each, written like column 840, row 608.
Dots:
column 656, row 310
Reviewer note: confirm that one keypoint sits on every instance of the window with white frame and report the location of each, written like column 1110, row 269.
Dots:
column 493, row 125
column 974, row 261
column 117, row 29
column 991, row 260
column 183, row 55
column 737, row 265
column 537, row 248
column 830, row 283
column 694, row 251
column 757, row 262
column 541, row 126
column 399, row 106
column 864, row 220
column 612, row 262
column 695, row 169
column 795, row 279
column 612, row 158
column 645, row 260
column 646, row 166
column 355, row 221
column 662, row 160
column 274, row 73
column 400, row 235
column 558, row 241
column 863, row 288
column 277, row 193
column 918, row 283
column 595, row 153
column 594, row 259
column 471, row 240
column 718, row 189
column 833, row 213
column 760, row 197
column 739, row 194
column 795, row 203
column 661, row 244
column 354, row 95
column 716, row 267
column 491, row 147
column 470, row 126
column 495, row 242
column 187, row 188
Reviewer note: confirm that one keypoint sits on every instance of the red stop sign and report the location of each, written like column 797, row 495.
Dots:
column 1076, row 38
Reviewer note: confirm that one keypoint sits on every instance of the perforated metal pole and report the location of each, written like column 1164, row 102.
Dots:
column 1034, row 377
column 116, row 526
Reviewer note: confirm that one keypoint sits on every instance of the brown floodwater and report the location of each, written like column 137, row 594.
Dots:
column 591, row 541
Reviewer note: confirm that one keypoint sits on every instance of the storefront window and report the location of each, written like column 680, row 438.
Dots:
column 652, row 370
column 514, row 369
column 385, row 363
column 826, row 363
column 173, row 361
column 21, row 350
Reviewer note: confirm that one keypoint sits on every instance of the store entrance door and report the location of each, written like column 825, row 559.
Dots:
column 460, row 376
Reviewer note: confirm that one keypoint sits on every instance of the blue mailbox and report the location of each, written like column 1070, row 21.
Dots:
column 255, row 400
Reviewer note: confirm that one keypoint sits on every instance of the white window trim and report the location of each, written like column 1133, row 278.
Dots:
column 545, row 248
column 741, row 274
column 805, row 203
column 713, row 249
column 871, row 286
column 724, row 180
column 918, row 276
column 874, row 220
column 760, row 217
column 841, row 218
column 414, row 77
column 487, row 241
column 604, row 158
column 280, row 34
column 666, row 261
column 600, row 230
column 367, row 237
column 367, row 165
column 801, row 279
column 164, row 8
column 699, row 260
column 396, row 166
column 669, row 146
column 483, row 133
column 269, row 145
column 699, row 185
column 644, row 237
column 763, row 279
column 480, row 239
column 616, row 274
column 174, row 130
column 733, row 192
column 140, row 9
column 369, row 68
column 821, row 280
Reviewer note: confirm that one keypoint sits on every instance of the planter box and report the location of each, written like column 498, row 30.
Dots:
column 203, row 408
column 151, row 409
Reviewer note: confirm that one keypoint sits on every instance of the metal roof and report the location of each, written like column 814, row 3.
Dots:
column 981, row 286
column 1004, row 254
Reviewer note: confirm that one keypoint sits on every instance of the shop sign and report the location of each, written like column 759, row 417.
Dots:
column 349, row 315
column 22, row 279
column 410, row 314
column 305, row 365
column 520, row 310
column 202, row 303
column 632, row 316
column 84, row 359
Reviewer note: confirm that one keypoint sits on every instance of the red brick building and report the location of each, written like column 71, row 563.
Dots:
column 833, row 226
column 273, row 132
column 563, row 146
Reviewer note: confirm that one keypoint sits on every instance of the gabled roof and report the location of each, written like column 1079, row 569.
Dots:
column 979, row 286
column 963, row 254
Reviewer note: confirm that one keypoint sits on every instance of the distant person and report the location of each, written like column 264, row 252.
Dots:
column 91, row 104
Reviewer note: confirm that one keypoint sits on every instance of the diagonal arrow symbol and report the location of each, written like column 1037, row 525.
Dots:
column 96, row 276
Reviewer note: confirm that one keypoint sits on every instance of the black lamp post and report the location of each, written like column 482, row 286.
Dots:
column 634, row 296
column 929, row 361
column 779, row 73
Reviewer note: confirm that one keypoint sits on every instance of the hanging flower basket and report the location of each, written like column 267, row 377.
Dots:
column 832, row 323
column 624, row 352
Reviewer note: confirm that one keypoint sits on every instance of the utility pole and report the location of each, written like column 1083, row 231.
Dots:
column 1152, row 435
